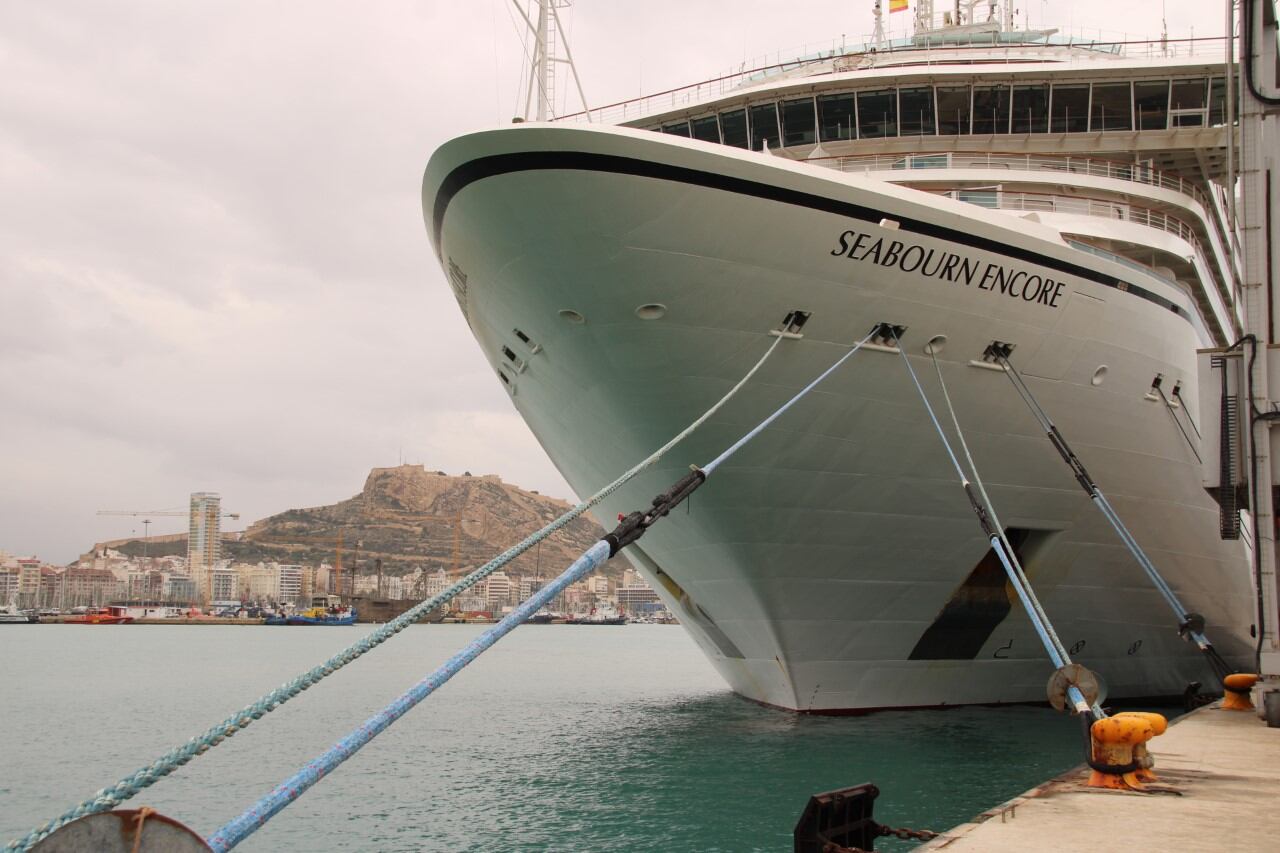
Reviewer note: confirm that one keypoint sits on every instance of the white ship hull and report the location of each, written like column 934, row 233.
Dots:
column 830, row 565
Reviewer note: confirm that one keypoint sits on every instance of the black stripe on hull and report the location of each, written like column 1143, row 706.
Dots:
column 530, row 161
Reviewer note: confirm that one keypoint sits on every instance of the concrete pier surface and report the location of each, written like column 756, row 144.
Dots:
column 1223, row 765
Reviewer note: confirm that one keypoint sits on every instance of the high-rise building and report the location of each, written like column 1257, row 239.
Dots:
column 204, row 539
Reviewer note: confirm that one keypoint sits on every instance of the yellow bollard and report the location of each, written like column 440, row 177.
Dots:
column 1235, row 696
column 1141, row 754
column 1113, row 740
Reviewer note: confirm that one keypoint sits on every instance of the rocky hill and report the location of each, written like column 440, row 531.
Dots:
column 412, row 518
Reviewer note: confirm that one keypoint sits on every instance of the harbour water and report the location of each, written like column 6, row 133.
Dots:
column 560, row 738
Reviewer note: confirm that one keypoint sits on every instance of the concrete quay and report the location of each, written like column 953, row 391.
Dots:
column 1218, row 789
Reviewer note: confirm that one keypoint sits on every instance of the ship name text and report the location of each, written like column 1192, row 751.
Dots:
column 948, row 266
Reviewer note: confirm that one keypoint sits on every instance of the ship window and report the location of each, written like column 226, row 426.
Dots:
column 1218, row 101
column 1111, row 108
column 706, row 128
column 1188, row 94
column 734, row 127
column 1151, row 105
column 764, row 126
column 1187, row 103
column 953, row 110
column 989, row 198
column 1031, row 109
column 835, row 112
column 877, row 114
column 990, row 109
column 677, row 129
column 799, row 123
column 916, row 106
column 1070, row 112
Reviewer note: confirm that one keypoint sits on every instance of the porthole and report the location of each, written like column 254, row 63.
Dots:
column 572, row 316
column 1099, row 375
column 651, row 311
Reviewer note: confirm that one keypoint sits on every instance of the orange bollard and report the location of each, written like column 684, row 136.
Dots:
column 1141, row 754
column 1235, row 696
column 1113, row 741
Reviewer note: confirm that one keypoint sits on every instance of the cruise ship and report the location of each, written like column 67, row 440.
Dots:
column 973, row 184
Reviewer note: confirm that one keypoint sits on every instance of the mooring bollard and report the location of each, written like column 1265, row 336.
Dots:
column 1113, row 763
column 1235, row 695
column 1141, row 755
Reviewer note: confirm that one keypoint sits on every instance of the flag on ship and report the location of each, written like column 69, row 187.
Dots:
column 897, row 6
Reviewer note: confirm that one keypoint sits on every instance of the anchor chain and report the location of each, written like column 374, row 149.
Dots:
column 883, row 831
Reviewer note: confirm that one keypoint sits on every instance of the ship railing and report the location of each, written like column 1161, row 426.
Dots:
column 845, row 56
column 1094, row 167
column 999, row 199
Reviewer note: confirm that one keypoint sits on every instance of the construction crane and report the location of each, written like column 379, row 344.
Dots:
column 146, row 521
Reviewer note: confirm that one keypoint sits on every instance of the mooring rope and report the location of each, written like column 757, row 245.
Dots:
column 630, row 528
column 1009, row 559
column 240, row 828
column 108, row 798
column 991, row 507
column 1190, row 624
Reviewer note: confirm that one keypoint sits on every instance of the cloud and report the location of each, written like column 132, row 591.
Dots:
column 213, row 269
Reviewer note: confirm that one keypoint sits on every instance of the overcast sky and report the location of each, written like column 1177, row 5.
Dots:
column 213, row 269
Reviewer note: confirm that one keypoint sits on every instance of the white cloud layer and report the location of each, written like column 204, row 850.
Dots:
column 213, row 269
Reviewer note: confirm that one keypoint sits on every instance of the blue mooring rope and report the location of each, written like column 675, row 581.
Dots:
column 108, row 798
column 1008, row 560
column 290, row 789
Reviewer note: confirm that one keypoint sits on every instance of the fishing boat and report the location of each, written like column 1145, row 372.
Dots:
column 984, row 191
column 324, row 610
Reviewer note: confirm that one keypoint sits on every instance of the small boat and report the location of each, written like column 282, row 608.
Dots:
column 100, row 616
column 11, row 615
column 605, row 616
column 324, row 610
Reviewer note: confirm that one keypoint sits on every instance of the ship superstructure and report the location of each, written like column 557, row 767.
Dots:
column 973, row 184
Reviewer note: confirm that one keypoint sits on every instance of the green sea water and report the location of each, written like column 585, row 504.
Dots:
column 560, row 738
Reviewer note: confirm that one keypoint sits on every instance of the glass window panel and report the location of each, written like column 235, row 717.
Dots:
column 953, row 110
column 1031, row 109
column 1111, row 108
column 836, row 117
column 799, row 124
column 1188, row 94
column 990, row 109
column 677, row 129
column 734, row 127
column 1218, row 101
column 706, row 128
column 764, row 126
column 1151, row 104
column 877, row 114
column 982, row 198
column 916, row 109
column 1070, row 109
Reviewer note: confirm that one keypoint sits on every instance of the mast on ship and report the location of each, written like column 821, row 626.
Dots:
column 548, row 37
